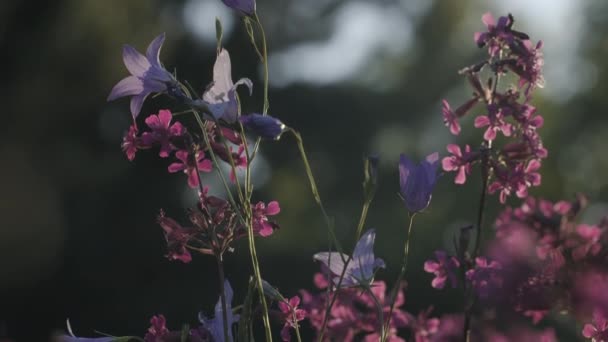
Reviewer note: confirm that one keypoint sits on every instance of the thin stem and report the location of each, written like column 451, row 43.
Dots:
column 258, row 277
column 362, row 219
column 380, row 310
column 315, row 190
column 397, row 285
column 220, row 267
column 232, row 163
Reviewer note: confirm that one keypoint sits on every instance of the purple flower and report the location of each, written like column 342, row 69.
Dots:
column 264, row 126
column 162, row 131
column 291, row 315
column 219, row 99
column 215, row 325
column 261, row 225
column 190, row 166
column 361, row 269
column 417, row 181
column 450, row 117
column 147, row 75
column 246, row 7
column 444, row 268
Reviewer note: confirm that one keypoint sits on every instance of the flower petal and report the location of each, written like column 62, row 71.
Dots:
column 136, row 63
column 137, row 102
column 130, row 85
column 333, row 260
column 153, row 51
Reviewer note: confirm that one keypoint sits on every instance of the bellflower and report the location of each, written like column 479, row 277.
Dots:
column 72, row 338
column 219, row 99
column 264, row 126
column 147, row 75
column 360, row 269
column 215, row 325
column 246, row 7
column 417, row 181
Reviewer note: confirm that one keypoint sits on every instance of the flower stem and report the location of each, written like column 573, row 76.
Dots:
column 397, row 285
column 362, row 219
column 220, row 267
column 380, row 310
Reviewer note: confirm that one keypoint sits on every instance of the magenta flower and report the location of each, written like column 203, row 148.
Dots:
column 450, row 119
column 158, row 329
column 246, row 7
column 597, row 331
column 361, row 269
column 528, row 65
column 495, row 123
column 215, row 325
column 177, row 238
column 220, row 97
column 130, row 142
column 147, row 75
column 162, row 132
column 417, row 181
column 292, row 315
column 459, row 161
column 444, row 268
column 497, row 33
column 191, row 167
column 261, row 225
column 485, row 277
column 589, row 237
column 263, row 126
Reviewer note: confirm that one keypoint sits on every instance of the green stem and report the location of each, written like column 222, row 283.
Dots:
column 220, row 267
column 362, row 219
column 397, row 285
column 380, row 310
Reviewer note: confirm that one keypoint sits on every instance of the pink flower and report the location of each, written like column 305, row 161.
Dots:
column 261, row 225
column 598, row 329
column 190, row 167
column 157, row 329
column 130, row 142
column 495, row 122
column 497, row 33
column 162, row 132
column 485, row 277
column 589, row 236
column 459, row 162
column 450, row 119
column 292, row 315
column 177, row 238
column 444, row 268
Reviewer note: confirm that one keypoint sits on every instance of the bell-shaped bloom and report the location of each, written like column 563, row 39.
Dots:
column 219, row 100
column 362, row 267
column 417, row 181
column 147, row 75
column 215, row 325
column 264, row 126
column 246, row 7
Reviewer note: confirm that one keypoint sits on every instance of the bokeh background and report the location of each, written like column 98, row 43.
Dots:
column 78, row 237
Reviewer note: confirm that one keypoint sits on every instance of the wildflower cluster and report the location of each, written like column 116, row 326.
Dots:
column 541, row 260
column 508, row 116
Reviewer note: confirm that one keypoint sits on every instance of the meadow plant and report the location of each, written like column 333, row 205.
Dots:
column 539, row 260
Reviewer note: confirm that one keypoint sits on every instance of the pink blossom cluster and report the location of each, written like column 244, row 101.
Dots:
column 214, row 225
column 512, row 149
